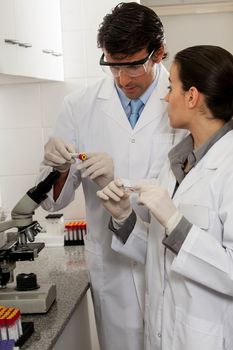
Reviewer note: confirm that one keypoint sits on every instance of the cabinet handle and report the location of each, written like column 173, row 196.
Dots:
column 56, row 53
column 11, row 41
column 52, row 52
column 47, row 51
column 26, row 45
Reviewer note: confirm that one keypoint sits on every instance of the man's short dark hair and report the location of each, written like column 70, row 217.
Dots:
column 129, row 28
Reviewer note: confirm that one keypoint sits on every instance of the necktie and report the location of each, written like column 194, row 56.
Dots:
column 135, row 107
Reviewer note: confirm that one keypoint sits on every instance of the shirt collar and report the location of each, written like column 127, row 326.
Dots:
column 184, row 151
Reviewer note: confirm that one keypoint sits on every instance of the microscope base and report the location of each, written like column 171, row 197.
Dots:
column 29, row 302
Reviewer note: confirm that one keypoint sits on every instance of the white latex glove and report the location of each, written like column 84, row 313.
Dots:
column 99, row 167
column 160, row 204
column 131, row 184
column 57, row 154
column 116, row 200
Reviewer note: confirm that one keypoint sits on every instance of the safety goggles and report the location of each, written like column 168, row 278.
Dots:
column 132, row 69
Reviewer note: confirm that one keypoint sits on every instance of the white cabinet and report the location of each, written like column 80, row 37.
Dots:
column 7, row 30
column 80, row 331
column 31, row 39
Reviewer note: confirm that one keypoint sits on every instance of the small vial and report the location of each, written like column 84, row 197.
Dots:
column 72, row 230
column 82, row 156
column 19, row 323
column 75, row 231
column 79, row 231
column 66, row 232
column 83, row 229
column 10, row 322
column 3, row 328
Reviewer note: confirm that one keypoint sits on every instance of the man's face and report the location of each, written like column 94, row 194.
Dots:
column 133, row 87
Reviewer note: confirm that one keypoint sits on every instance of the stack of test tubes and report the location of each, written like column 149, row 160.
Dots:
column 75, row 232
column 10, row 324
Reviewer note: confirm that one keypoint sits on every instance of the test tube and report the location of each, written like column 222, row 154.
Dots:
column 75, row 231
column 82, row 156
column 67, row 228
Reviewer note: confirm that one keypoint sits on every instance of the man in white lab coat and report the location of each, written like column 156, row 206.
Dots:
column 101, row 121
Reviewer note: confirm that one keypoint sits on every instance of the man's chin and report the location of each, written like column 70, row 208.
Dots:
column 132, row 93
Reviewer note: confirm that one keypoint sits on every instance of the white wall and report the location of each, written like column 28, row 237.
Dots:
column 193, row 29
column 28, row 111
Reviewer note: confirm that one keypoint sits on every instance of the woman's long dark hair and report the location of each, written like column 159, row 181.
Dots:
column 210, row 69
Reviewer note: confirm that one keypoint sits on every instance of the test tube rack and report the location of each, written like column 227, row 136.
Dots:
column 75, row 232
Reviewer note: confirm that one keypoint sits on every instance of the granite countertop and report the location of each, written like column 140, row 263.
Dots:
column 65, row 267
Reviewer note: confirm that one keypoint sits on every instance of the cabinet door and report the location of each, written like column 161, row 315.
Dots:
column 7, row 37
column 50, row 40
column 36, row 27
column 27, row 26
column 38, row 24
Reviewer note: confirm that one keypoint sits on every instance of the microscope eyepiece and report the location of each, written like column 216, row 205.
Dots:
column 38, row 193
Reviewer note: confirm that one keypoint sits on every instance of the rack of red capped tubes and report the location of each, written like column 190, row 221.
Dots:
column 13, row 332
column 75, row 232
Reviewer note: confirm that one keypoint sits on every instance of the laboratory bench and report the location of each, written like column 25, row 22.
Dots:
column 67, row 324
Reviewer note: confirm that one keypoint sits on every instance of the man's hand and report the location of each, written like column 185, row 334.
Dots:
column 57, row 154
column 160, row 204
column 99, row 167
column 116, row 200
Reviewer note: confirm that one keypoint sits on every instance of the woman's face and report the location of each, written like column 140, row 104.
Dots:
column 176, row 98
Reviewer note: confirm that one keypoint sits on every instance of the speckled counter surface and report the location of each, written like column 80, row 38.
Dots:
column 65, row 267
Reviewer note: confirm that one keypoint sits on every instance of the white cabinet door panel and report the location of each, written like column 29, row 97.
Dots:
column 35, row 26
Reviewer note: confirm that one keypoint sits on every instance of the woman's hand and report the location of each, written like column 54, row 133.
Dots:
column 116, row 200
column 158, row 201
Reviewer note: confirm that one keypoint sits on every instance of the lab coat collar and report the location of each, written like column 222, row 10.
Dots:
column 221, row 151
column 153, row 110
column 156, row 106
column 111, row 104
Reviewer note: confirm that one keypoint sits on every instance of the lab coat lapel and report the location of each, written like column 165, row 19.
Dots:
column 171, row 183
column 156, row 105
column 210, row 162
column 191, row 179
column 111, row 104
column 153, row 111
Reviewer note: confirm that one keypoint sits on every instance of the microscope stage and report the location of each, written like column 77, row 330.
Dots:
column 29, row 302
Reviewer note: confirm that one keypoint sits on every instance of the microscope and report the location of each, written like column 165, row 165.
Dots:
column 26, row 295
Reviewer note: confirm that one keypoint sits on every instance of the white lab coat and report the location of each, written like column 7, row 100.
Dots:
column 189, row 297
column 94, row 120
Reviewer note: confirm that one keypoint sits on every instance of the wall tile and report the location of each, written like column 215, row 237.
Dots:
column 46, row 133
column 93, row 55
column 20, row 106
column 94, row 14
column 52, row 95
column 74, row 54
column 14, row 187
column 202, row 29
column 20, row 151
column 72, row 14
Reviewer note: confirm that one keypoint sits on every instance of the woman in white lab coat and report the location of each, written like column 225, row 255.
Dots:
column 189, row 256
